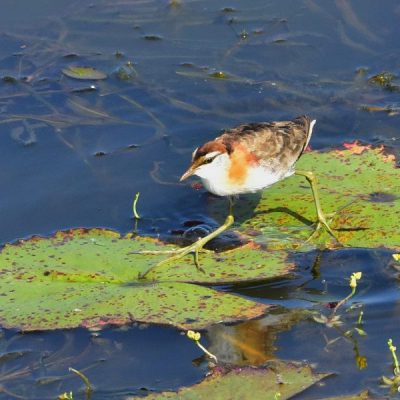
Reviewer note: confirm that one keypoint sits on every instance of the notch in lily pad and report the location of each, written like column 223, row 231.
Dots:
column 86, row 73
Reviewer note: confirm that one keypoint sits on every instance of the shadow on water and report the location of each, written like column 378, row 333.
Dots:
column 75, row 152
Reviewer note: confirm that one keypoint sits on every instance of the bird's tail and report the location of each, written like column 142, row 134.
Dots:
column 307, row 124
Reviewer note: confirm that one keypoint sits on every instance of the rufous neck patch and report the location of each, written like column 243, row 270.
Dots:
column 240, row 162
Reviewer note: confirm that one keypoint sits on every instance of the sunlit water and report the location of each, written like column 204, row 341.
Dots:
column 73, row 156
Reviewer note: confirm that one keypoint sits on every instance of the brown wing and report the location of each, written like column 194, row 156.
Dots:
column 277, row 145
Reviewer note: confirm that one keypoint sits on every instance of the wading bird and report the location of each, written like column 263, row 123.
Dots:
column 247, row 159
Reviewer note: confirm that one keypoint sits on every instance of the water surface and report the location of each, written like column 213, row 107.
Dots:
column 75, row 155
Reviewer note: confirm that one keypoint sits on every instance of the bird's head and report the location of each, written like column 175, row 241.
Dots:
column 207, row 160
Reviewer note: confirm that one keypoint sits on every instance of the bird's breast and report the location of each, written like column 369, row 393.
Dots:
column 241, row 162
column 255, row 179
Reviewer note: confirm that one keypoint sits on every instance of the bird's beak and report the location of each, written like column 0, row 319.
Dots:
column 189, row 172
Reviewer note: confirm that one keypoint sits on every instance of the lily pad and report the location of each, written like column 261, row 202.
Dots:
column 90, row 278
column 360, row 183
column 279, row 381
column 88, row 73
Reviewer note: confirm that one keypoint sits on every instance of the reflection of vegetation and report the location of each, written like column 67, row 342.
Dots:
column 252, row 342
column 394, row 382
column 29, row 373
column 335, row 321
column 349, row 335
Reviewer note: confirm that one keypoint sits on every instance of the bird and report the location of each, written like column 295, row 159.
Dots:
column 250, row 158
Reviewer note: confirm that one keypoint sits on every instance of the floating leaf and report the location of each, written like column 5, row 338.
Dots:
column 360, row 183
column 90, row 278
column 279, row 381
column 356, row 147
column 77, row 72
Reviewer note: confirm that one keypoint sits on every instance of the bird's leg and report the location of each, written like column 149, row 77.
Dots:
column 231, row 200
column 195, row 247
column 321, row 222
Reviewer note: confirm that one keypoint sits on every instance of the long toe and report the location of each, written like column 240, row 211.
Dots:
column 193, row 248
column 323, row 223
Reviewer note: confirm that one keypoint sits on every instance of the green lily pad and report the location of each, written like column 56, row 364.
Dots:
column 280, row 381
column 90, row 278
column 88, row 73
column 360, row 183
column 104, row 256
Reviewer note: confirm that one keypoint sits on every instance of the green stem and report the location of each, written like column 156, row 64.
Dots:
column 206, row 351
column 135, row 213
column 360, row 317
column 341, row 302
column 392, row 349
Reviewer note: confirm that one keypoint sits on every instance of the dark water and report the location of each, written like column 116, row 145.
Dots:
column 72, row 155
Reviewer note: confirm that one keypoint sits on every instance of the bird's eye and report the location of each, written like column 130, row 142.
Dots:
column 208, row 160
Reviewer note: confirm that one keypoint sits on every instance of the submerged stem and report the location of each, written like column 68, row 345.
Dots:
column 89, row 388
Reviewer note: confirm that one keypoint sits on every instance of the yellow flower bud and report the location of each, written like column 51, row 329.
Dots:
column 355, row 276
column 193, row 335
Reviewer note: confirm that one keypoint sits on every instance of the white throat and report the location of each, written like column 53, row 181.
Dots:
column 214, row 175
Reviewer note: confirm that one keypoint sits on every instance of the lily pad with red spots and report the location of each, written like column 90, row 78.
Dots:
column 360, row 184
column 90, row 278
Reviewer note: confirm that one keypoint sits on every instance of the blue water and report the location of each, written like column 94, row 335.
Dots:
column 72, row 155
